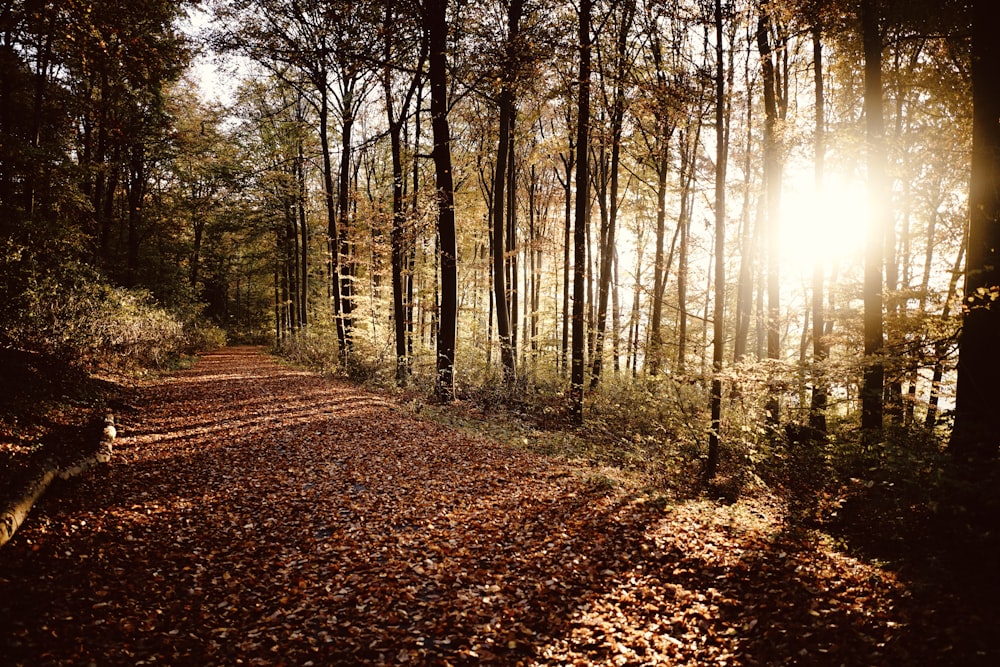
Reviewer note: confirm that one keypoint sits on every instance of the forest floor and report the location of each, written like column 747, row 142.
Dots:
column 257, row 514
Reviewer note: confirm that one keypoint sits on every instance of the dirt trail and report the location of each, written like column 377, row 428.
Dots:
column 255, row 514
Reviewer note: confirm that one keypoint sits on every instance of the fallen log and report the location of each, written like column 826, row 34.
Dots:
column 39, row 476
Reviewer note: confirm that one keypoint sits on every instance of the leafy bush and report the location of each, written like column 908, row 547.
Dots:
column 314, row 347
column 370, row 365
column 653, row 425
column 201, row 335
column 75, row 317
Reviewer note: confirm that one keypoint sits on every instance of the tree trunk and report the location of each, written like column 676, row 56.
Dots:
column 874, row 372
column 279, row 328
column 821, row 349
column 577, row 370
column 503, row 319
column 343, row 244
column 536, row 258
column 632, row 346
column 772, row 181
column 412, row 240
column 654, row 351
column 689, row 148
column 608, row 247
column 616, row 317
column 511, row 253
column 977, row 419
column 568, row 164
column 436, row 25
column 744, row 289
column 302, row 241
column 398, row 236
column 718, row 316
column 398, row 219
column 332, row 236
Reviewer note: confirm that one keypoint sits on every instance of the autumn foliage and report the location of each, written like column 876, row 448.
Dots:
column 257, row 514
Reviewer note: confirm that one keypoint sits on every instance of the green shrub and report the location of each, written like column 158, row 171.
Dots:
column 314, row 347
column 655, row 426
column 76, row 318
column 201, row 335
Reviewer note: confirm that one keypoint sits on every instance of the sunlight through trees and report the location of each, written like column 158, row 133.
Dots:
column 448, row 194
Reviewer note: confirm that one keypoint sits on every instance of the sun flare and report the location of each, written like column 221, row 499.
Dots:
column 828, row 225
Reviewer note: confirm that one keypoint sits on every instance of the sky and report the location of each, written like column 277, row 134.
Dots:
column 214, row 76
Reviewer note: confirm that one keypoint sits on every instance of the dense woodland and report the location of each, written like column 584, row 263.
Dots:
column 731, row 250
column 710, row 232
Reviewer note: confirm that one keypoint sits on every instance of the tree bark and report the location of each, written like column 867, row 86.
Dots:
column 577, row 370
column 977, row 417
column 718, row 316
column 505, row 103
column 343, row 244
column 332, row 235
column 503, row 318
column 687, row 176
column 436, row 25
column 654, row 350
column 874, row 371
column 301, row 240
column 821, row 349
column 744, row 289
column 568, row 164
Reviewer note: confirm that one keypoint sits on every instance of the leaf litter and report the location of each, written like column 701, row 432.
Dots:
column 255, row 514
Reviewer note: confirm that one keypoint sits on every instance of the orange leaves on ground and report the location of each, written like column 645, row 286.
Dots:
column 261, row 515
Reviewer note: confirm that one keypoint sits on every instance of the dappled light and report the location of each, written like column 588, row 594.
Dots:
column 352, row 532
column 613, row 332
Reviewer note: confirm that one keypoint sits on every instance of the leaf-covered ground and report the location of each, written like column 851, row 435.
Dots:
column 48, row 411
column 255, row 514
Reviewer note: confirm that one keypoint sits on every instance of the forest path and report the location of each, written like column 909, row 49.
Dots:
column 257, row 514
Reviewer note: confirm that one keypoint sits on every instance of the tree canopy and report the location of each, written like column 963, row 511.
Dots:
column 762, row 203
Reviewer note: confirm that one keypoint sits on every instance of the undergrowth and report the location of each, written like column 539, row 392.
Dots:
column 903, row 502
column 67, row 342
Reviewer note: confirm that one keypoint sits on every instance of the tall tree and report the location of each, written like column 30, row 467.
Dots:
column 504, row 164
column 396, row 119
column 821, row 348
column 663, row 93
column 609, row 221
column 874, row 369
column 774, row 80
column 977, row 418
column 689, row 142
column 582, row 213
column 718, row 317
column 348, row 26
column 435, row 20
column 564, row 173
